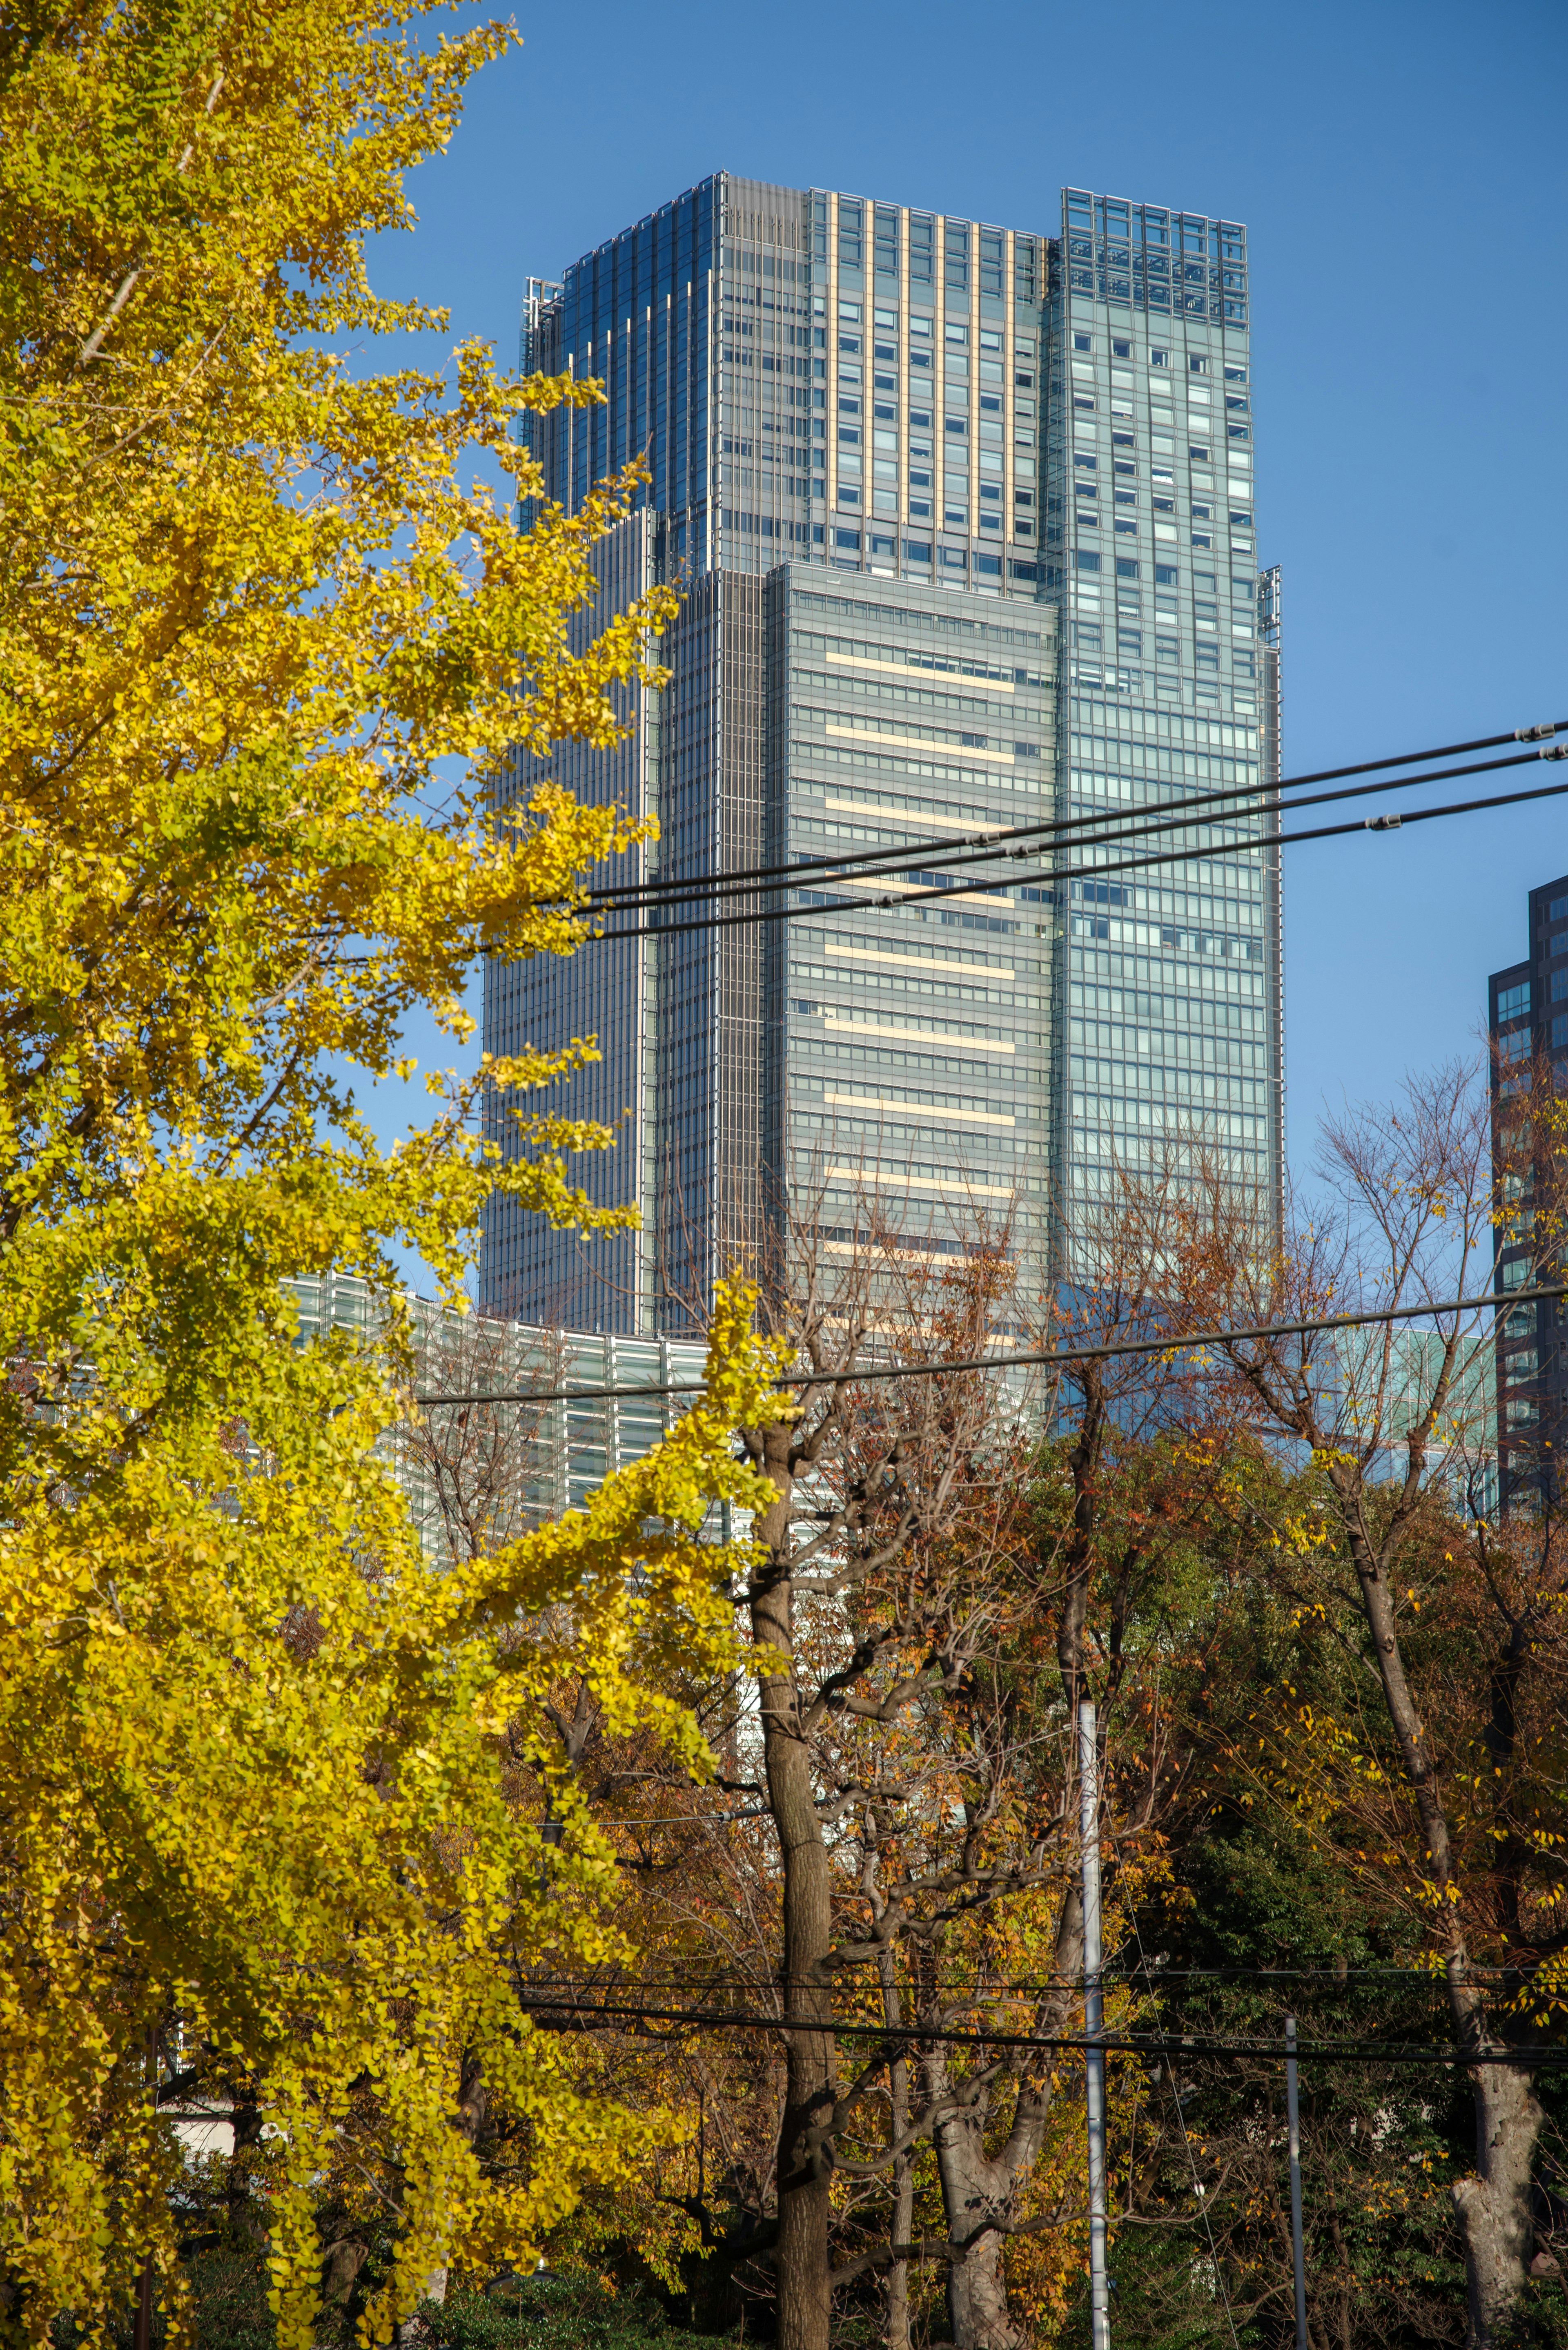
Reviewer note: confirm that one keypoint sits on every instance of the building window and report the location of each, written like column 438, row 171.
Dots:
column 1512, row 1003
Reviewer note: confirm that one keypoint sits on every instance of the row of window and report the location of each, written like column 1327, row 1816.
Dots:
column 970, row 255
column 1087, row 403
column 1110, row 1020
column 913, row 698
column 1199, row 363
column 1172, row 1050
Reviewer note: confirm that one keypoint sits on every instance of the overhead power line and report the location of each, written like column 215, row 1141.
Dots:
column 1089, row 872
column 1185, row 2046
column 930, row 849
column 1147, row 1975
column 1170, row 1343
column 861, row 866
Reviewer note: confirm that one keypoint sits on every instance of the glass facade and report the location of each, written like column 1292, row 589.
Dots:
column 908, row 1061
column 1172, row 1004
column 968, row 522
column 571, row 1446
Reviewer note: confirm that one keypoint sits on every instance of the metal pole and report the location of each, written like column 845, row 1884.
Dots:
column 1094, row 2024
column 1293, row 2115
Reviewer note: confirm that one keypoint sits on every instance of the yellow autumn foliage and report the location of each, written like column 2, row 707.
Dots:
column 258, row 1843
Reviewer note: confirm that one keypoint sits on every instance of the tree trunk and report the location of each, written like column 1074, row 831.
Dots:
column 141, row 2336
column 803, row 2261
column 899, row 2273
column 978, row 2187
column 975, row 2190
column 903, row 2214
column 1493, row 2204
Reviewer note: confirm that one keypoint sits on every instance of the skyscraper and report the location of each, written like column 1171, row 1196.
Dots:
column 967, row 523
column 1527, row 1022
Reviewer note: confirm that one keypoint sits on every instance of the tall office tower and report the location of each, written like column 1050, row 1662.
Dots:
column 1527, row 1021
column 966, row 523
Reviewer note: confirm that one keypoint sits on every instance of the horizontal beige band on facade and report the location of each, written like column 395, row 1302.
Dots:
column 915, row 1253
column 920, row 1036
column 920, row 889
column 916, row 669
column 919, row 1113
column 926, row 961
column 921, row 819
column 884, row 1182
column 962, row 754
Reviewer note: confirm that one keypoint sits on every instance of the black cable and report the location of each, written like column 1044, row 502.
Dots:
column 1200, row 799
column 976, row 849
column 1093, row 872
column 1185, row 2046
column 1147, row 1972
column 1172, row 1343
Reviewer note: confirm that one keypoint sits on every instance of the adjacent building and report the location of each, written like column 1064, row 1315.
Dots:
column 1527, row 1022
column 966, row 520
column 526, row 1463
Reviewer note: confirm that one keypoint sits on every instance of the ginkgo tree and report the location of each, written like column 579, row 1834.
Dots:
column 261, row 1835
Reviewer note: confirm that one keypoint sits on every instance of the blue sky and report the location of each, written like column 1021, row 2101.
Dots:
column 1401, row 172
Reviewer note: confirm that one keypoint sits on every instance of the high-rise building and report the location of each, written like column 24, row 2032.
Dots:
column 966, row 521
column 1527, row 1022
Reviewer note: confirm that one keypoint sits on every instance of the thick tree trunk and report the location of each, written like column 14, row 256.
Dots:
column 903, row 2214
column 898, row 2274
column 979, row 2188
column 1493, row 2204
column 803, row 2259
column 975, row 2191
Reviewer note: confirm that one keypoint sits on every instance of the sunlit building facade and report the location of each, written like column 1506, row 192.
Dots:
column 967, row 524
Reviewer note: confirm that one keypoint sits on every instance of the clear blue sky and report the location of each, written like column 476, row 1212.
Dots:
column 1401, row 172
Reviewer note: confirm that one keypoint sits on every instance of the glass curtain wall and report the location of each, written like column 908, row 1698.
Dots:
column 888, row 448
column 1170, row 1009
column 908, row 1081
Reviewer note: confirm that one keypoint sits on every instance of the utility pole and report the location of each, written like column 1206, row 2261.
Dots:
column 1293, row 2117
column 1093, row 2022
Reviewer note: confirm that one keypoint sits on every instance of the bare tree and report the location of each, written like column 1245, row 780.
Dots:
column 480, row 1474
column 918, row 1774
column 1396, row 1427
